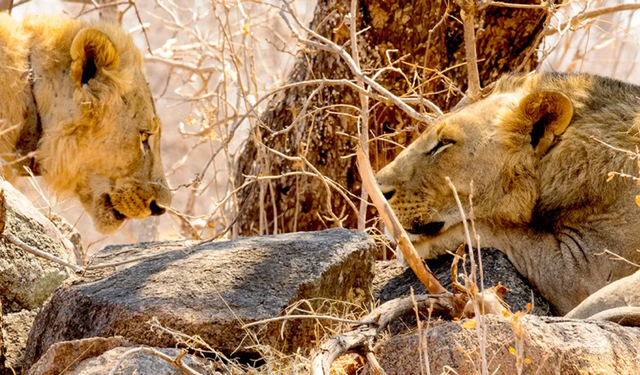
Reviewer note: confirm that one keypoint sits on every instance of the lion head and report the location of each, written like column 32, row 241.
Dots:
column 491, row 147
column 100, row 131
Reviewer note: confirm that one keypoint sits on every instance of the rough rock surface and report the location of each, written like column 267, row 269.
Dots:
column 393, row 280
column 26, row 281
column 1, row 342
column 67, row 355
column 209, row 290
column 15, row 331
column 550, row 346
column 102, row 358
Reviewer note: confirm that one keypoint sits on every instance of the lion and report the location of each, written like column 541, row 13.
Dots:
column 76, row 109
column 534, row 160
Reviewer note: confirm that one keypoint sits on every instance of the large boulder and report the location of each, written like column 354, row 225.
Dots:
column 211, row 290
column 26, row 280
column 394, row 280
column 545, row 345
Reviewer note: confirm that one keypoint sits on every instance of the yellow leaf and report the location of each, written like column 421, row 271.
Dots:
column 471, row 323
column 638, row 200
column 610, row 177
column 246, row 29
column 506, row 313
column 527, row 360
column 512, row 350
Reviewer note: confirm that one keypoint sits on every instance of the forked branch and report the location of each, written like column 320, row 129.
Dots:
column 447, row 305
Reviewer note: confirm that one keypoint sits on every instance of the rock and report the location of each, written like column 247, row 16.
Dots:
column 67, row 355
column 102, row 358
column 208, row 290
column 15, row 331
column 26, row 281
column 1, row 342
column 549, row 346
column 71, row 233
column 393, row 280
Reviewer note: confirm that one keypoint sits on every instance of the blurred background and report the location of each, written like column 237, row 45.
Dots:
column 212, row 66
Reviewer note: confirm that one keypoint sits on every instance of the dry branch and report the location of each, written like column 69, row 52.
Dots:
column 468, row 12
column 391, row 221
column 327, row 45
column 587, row 15
column 443, row 305
column 30, row 249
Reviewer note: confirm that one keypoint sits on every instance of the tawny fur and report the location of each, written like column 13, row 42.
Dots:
column 91, row 131
column 541, row 191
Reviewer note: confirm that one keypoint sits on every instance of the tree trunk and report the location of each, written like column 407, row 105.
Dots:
column 424, row 40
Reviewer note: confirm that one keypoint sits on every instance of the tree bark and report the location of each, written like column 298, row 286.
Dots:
column 425, row 40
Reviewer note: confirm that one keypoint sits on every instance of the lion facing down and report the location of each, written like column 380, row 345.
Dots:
column 541, row 192
column 75, row 108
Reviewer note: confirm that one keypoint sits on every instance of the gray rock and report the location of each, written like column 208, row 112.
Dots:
column 15, row 331
column 393, row 280
column 66, row 356
column 26, row 281
column 209, row 290
column 101, row 355
column 1, row 342
column 550, row 346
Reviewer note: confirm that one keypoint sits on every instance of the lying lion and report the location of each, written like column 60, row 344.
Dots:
column 75, row 108
column 539, row 150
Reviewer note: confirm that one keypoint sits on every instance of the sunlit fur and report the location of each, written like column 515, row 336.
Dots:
column 526, row 194
column 91, row 143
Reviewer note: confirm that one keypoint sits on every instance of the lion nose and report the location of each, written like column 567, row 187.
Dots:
column 155, row 209
column 387, row 192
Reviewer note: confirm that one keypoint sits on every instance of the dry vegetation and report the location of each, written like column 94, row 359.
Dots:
column 214, row 66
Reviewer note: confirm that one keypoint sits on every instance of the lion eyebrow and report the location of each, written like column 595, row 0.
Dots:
column 440, row 127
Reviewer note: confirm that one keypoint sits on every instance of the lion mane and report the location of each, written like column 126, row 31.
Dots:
column 76, row 108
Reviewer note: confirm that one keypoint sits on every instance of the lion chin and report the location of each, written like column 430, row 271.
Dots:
column 106, row 218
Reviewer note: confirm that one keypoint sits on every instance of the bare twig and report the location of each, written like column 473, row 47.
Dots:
column 391, row 221
column 468, row 12
column 30, row 249
column 328, row 45
column 291, row 317
column 575, row 21
column 444, row 304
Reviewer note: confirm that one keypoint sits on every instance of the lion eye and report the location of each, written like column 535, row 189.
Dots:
column 442, row 145
column 144, row 138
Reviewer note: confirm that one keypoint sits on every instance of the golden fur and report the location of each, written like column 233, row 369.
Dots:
column 540, row 180
column 100, row 133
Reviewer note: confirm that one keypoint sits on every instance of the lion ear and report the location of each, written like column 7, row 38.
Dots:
column 91, row 52
column 546, row 115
